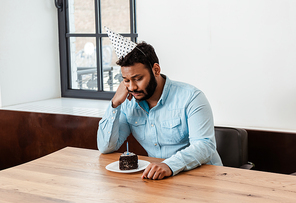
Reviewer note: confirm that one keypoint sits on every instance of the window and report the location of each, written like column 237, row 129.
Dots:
column 87, row 58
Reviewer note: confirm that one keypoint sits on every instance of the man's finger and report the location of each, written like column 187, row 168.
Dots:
column 129, row 97
column 151, row 174
column 146, row 171
column 156, row 176
column 161, row 176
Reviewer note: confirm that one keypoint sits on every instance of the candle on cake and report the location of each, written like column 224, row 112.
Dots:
column 128, row 160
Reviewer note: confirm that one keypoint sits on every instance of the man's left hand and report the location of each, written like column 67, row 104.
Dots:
column 157, row 171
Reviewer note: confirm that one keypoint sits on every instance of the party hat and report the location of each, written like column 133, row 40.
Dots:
column 122, row 45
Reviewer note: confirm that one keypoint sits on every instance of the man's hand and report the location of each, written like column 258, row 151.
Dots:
column 121, row 95
column 157, row 171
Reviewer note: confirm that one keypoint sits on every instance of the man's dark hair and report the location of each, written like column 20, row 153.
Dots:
column 143, row 53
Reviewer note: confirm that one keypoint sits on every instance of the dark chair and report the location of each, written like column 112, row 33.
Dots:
column 232, row 146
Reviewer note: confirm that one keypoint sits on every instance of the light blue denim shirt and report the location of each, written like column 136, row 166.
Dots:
column 179, row 128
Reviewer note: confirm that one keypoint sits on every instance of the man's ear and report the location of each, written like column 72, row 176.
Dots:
column 156, row 69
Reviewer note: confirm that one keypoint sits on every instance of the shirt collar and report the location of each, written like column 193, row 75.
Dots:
column 166, row 89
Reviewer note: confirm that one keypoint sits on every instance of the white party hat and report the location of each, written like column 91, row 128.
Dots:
column 122, row 45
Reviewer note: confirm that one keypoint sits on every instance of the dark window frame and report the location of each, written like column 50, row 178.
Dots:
column 64, row 50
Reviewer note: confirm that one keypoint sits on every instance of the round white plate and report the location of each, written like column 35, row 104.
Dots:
column 142, row 164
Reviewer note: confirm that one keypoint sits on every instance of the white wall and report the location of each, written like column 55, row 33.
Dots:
column 242, row 54
column 29, row 62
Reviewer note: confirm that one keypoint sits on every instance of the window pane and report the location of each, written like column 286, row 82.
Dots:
column 80, row 64
column 112, row 75
column 115, row 14
column 83, row 63
column 82, row 16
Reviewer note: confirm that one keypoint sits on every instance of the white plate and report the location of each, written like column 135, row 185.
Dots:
column 142, row 164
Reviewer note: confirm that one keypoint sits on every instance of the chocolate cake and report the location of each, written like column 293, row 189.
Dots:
column 128, row 161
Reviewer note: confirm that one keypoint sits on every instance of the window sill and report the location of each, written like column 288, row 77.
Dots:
column 67, row 106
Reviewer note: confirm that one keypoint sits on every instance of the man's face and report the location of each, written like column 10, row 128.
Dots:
column 140, row 81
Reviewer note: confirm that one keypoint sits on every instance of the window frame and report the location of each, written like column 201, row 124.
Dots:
column 64, row 51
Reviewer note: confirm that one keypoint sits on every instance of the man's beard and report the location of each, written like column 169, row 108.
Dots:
column 150, row 88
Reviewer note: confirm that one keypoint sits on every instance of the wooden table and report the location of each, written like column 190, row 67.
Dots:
column 79, row 175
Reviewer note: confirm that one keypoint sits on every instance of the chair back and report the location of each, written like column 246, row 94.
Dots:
column 232, row 146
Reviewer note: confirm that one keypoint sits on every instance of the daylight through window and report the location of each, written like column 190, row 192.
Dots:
column 88, row 61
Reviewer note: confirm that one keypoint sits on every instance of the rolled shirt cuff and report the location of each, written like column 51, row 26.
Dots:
column 175, row 164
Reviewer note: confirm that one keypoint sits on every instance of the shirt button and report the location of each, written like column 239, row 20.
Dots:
column 113, row 111
column 152, row 125
column 155, row 144
column 136, row 122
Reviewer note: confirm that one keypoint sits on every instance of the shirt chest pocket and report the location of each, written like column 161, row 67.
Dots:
column 171, row 131
column 137, row 127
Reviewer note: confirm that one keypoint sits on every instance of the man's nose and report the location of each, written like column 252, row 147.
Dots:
column 132, row 86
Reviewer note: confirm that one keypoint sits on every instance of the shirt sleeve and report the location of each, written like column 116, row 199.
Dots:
column 201, row 136
column 113, row 130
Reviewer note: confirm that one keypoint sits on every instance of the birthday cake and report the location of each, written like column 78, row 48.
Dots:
column 128, row 161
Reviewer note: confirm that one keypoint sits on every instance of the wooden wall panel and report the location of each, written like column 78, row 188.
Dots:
column 25, row 136
column 272, row 151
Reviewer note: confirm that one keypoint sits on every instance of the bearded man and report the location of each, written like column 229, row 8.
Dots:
column 171, row 120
